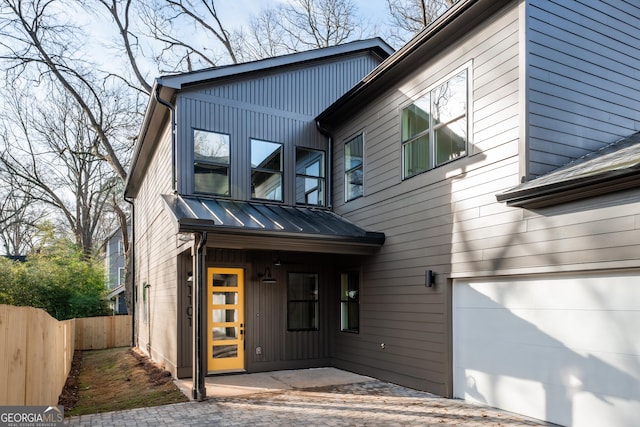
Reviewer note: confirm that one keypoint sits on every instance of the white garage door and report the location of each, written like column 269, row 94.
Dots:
column 561, row 349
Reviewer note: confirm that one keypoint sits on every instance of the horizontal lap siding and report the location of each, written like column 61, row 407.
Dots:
column 156, row 261
column 584, row 65
column 420, row 215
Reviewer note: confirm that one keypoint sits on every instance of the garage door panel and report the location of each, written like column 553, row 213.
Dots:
column 553, row 348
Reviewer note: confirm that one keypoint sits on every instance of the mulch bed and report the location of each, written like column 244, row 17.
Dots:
column 71, row 391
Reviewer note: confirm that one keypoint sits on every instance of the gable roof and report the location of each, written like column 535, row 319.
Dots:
column 462, row 16
column 166, row 87
column 613, row 168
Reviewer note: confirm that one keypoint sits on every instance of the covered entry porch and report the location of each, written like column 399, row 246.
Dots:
column 263, row 285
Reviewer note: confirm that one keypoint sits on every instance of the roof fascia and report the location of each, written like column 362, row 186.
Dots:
column 575, row 189
column 436, row 37
column 155, row 114
column 180, row 81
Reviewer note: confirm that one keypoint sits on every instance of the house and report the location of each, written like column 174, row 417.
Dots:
column 236, row 248
column 483, row 181
column 115, row 270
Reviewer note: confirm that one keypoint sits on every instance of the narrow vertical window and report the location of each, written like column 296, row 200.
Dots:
column 211, row 162
column 434, row 127
column 266, row 170
column 350, row 302
column 309, row 177
column 353, row 173
column 302, row 302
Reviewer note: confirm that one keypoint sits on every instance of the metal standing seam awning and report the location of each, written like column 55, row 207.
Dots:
column 252, row 225
column 615, row 167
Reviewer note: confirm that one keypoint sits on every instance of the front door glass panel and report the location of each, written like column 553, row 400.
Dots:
column 225, row 319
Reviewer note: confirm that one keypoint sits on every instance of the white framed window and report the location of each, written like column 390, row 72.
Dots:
column 435, row 126
column 353, row 168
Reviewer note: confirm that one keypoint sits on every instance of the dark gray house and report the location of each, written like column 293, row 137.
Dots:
column 463, row 218
column 233, row 223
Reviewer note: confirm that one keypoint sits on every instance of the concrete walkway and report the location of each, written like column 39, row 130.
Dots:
column 309, row 397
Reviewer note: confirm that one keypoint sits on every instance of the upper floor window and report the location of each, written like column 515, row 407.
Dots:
column 266, row 170
column 353, row 171
column 434, row 127
column 309, row 176
column 211, row 162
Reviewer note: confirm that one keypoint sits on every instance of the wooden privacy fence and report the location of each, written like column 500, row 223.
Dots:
column 94, row 333
column 36, row 351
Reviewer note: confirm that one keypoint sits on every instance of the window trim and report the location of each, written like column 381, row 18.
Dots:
column 468, row 67
column 322, row 178
column 347, row 171
column 208, row 163
column 315, row 301
column 347, row 301
column 264, row 170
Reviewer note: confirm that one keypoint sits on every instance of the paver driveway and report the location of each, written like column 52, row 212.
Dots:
column 366, row 403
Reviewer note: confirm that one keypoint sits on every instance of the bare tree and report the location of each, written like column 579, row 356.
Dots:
column 19, row 218
column 191, row 34
column 298, row 26
column 56, row 163
column 409, row 17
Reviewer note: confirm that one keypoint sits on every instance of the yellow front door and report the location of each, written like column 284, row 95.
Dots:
column 225, row 293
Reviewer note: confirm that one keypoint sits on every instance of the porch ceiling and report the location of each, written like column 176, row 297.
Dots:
column 251, row 225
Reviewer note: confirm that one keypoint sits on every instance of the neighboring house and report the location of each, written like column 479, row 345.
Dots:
column 479, row 231
column 114, row 265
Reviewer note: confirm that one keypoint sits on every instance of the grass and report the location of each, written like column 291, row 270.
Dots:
column 117, row 379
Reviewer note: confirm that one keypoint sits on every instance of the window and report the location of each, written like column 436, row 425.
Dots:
column 434, row 128
column 350, row 302
column 121, row 276
column 211, row 162
column 266, row 170
column 302, row 302
column 309, row 177
column 353, row 173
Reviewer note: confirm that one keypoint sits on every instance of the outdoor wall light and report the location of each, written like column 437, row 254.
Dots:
column 429, row 278
column 189, row 277
column 266, row 277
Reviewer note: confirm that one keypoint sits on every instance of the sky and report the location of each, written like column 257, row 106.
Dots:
column 239, row 11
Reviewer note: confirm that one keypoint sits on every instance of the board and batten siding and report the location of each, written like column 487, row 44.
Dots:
column 278, row 106
column 156, row 262
column 404, row 326
column 584, row 63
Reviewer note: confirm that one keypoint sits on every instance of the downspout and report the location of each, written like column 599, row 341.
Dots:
column 199, row 391
column 326, row 133
column 172, row 109
column 132, row 253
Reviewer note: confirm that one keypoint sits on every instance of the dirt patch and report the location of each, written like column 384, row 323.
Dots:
column 116, row 379
column 69, row 395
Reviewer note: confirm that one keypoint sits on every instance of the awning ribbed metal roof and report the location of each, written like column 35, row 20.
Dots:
column 615, row 167
column 242, row 224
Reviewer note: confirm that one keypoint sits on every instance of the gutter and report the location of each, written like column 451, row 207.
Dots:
column 199, row 390
column 575, row 189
